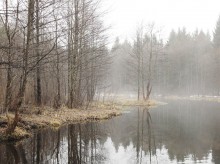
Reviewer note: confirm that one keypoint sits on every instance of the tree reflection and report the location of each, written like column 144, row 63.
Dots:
column 182, row 130
column 12, row 154
column 147, row 138
column 73, row 155
column 38, row 151
column 82, row 144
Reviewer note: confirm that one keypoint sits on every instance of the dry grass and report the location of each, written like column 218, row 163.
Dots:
column 55, row 123
column 4, row 118
column 36, row 118
column 131, row 102
column 95, row 111
column 18, row 134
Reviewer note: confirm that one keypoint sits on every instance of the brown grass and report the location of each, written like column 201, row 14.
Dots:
column 36, row 118
column 18, row 134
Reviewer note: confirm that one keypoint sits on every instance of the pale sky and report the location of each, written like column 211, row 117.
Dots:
column 125, row 15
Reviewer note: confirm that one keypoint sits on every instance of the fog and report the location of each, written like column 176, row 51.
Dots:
column 187, row 64
column 82, row 61
column 124, row 16
column 141, row 49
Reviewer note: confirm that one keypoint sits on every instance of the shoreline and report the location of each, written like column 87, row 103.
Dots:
column 35, row 118
column 194, row 98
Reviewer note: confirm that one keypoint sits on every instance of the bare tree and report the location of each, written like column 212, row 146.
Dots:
column 8, row 49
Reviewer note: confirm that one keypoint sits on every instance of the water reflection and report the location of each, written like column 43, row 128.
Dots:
column 145, row 136
column 181, row 132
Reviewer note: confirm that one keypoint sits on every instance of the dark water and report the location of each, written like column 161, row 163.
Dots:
column 179, row 132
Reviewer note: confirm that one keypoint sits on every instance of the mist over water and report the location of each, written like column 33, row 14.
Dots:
column 179, row 132
column 72, row 60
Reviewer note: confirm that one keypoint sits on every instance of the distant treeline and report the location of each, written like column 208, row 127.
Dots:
column 188, row 63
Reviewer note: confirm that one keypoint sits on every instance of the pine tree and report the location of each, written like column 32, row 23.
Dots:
column 216, row 35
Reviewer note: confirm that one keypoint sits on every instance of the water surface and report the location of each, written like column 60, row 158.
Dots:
column 179, row 132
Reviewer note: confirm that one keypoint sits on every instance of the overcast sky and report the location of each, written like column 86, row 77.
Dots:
column 125, row 15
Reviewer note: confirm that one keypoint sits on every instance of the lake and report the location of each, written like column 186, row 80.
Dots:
column 179, row 132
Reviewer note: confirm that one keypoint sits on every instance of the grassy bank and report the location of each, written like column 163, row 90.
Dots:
column 37, row 118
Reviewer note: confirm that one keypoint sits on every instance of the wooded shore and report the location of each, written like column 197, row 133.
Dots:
column 35, row 118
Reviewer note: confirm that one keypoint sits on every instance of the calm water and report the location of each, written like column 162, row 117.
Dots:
column 179, row 132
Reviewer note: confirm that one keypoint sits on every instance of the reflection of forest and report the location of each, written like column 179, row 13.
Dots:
column 188, row 128
column 183, row 128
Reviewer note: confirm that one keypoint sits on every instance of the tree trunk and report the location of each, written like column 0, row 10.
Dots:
column 20, row 96
column 38, row 72
column 8, row 92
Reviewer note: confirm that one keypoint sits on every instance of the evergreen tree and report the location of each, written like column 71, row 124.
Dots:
column 216, row 35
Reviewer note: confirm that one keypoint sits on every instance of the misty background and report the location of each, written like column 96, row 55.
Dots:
column 186, row 41
column 71, row 52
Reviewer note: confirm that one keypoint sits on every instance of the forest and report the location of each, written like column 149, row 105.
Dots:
column 186, row 64
column 52, row 53
column 73, row 91
column 56, row 55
